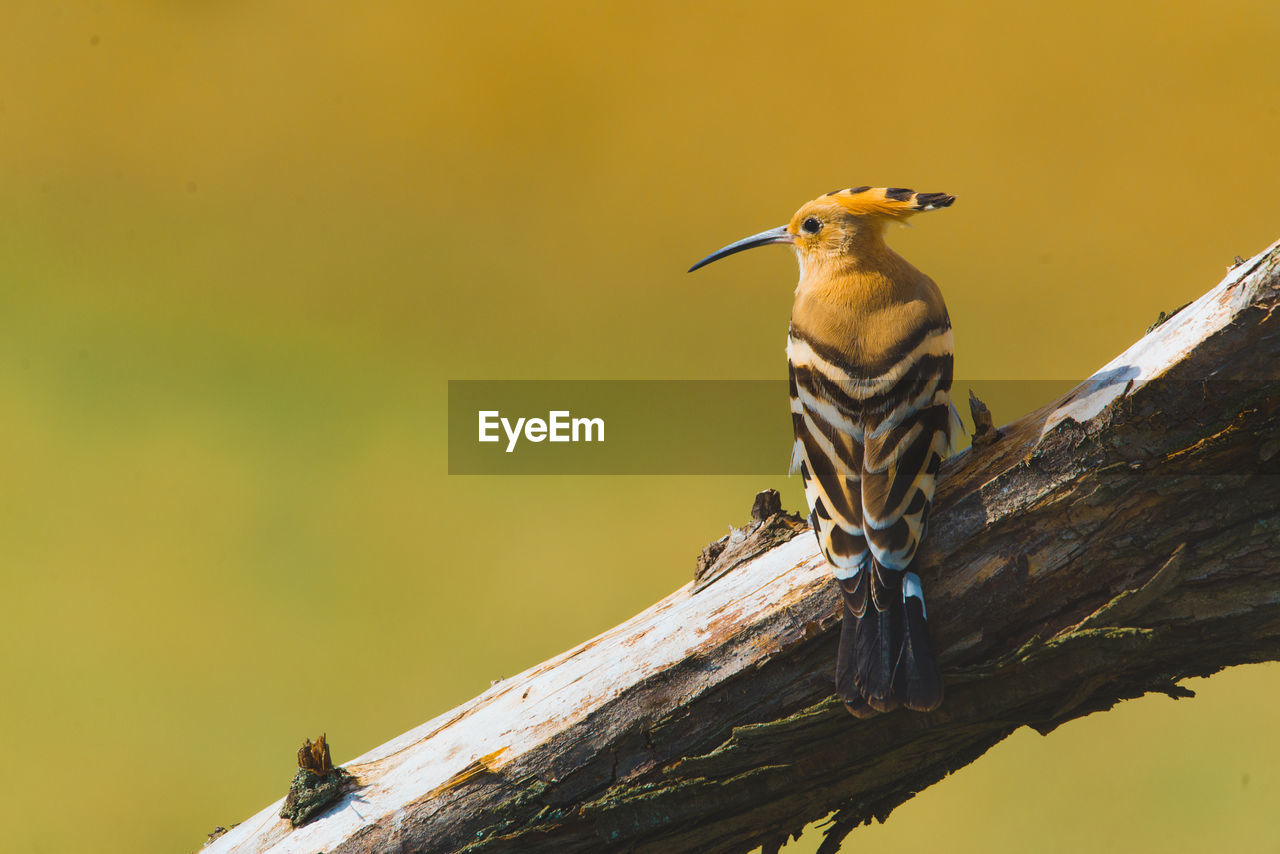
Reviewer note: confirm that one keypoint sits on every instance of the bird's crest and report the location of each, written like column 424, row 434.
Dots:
column 888, row 202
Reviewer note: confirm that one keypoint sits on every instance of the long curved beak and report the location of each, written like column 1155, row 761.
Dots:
column 764, row 238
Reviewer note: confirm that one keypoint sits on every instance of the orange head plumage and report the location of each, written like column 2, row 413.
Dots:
column 839, row 224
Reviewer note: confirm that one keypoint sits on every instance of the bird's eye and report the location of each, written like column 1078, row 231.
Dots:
column 811, row 225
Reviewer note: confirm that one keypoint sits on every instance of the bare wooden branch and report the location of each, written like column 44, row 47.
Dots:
column 1109, row 544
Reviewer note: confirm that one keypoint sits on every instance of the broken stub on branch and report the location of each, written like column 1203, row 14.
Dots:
column 316, row 785
column 770, row 526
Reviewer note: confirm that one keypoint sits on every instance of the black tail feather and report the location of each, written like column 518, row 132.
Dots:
column 921, row 679
column 886, row 659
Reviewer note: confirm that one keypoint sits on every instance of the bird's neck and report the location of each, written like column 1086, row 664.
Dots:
column 864, row 275
column 864, row 303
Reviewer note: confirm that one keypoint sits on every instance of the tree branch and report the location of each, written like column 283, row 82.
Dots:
column 1109, row 544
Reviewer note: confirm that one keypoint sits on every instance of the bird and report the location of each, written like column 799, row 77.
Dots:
column 870, row 358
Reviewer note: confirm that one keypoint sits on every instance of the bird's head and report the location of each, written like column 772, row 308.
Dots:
column 834, row 226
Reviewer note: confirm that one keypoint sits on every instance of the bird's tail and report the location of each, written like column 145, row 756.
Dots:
column 886, row 659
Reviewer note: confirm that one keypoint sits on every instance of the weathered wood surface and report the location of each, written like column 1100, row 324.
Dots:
column 1115, row 541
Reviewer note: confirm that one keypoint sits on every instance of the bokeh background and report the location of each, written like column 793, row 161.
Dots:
column 244, row 246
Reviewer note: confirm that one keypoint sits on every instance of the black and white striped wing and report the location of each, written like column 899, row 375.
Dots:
column 907, row 435
column 829, row 455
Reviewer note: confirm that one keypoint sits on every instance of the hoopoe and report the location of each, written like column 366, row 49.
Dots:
column 870, row 359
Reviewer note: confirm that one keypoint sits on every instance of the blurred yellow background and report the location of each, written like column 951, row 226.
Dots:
column 243, row 246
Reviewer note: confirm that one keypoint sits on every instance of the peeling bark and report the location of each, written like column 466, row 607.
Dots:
column 1110, row 544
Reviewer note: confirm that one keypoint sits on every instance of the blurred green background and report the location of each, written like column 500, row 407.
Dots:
column 243, row 247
